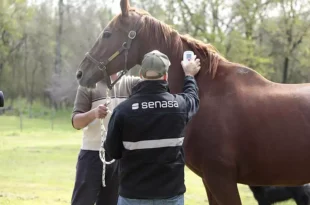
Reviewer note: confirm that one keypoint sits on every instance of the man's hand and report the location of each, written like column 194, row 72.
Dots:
column 192, row 67
column 101, row 111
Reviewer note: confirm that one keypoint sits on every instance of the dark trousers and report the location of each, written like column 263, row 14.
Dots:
column 88, row 188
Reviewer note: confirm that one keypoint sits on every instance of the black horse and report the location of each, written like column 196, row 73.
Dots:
column 268, row 195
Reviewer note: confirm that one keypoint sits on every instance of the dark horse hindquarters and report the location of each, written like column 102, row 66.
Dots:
column 270, row 195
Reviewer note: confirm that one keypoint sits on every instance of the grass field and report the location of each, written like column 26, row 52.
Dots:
column 37, row 165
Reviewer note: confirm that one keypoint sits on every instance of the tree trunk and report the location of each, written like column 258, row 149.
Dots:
column 215, row 16
column 285, row 70
column 59, row 37
column 31, row 94
column 26, row 69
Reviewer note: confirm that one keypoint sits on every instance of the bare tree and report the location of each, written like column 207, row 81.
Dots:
column 59, row 37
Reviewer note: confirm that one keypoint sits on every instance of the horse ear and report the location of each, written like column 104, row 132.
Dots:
column 125, row 5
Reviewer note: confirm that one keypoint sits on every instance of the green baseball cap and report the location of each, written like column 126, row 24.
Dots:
column 155, row 61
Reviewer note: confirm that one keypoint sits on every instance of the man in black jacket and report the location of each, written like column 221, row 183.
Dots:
column 147, row 131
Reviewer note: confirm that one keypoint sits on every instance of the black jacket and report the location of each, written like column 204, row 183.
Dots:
column 146, row 132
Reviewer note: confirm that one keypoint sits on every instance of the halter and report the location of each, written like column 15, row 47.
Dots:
column 102, row 65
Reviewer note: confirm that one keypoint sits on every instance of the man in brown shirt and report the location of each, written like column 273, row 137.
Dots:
column 88, row 109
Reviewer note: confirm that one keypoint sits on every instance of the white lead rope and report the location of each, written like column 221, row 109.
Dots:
column 102, row 150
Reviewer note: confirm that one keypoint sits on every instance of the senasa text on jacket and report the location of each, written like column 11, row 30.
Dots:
column 155, row 104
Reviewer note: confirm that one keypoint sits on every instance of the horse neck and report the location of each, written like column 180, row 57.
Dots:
column 175, row 55
column 204, row 78
column 176, row 73
column 227, row 76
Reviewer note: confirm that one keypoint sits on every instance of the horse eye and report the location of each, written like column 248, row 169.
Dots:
column 106, row 34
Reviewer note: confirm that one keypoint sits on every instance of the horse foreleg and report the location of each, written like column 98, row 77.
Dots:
column 211, row 199
column 221, row 188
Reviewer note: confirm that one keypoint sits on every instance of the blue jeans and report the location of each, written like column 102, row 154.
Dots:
column 176, row 200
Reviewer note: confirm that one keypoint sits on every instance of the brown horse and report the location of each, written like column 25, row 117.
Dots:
column 248, row 130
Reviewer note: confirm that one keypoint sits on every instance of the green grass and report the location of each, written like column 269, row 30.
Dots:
column 37, row 165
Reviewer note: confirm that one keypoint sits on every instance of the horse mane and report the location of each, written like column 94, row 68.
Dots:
column 158, row 30
column 207, row 53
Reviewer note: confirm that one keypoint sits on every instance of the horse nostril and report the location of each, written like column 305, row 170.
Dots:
column 79, row 74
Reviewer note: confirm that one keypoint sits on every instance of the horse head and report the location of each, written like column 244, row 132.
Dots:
column 133, row 33
column 123, row 42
